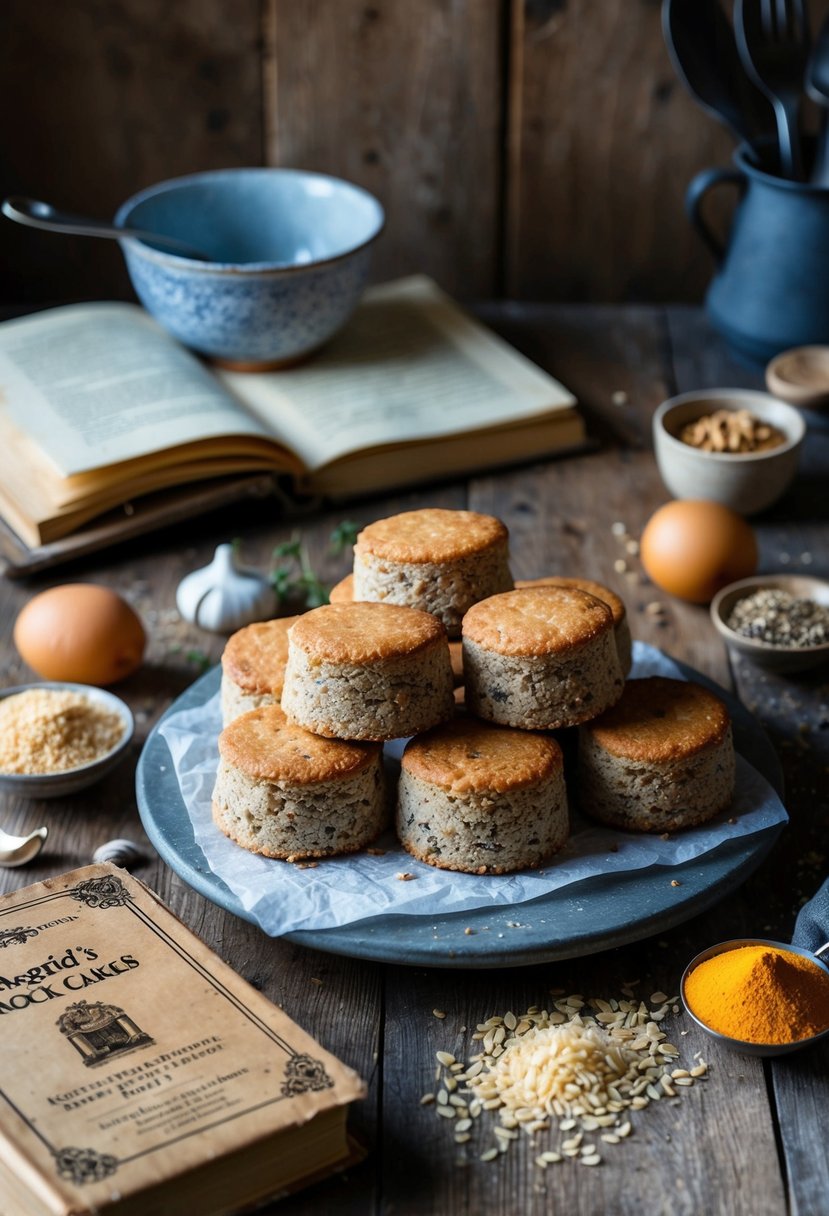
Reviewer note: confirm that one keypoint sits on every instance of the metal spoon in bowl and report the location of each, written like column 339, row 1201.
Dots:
column 34, row 214
column 18, row 850
column 755, row 1049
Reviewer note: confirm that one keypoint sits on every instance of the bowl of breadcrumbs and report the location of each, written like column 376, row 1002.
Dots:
column 56, row 738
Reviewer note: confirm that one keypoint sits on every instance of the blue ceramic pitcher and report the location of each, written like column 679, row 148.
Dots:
column 771, row 289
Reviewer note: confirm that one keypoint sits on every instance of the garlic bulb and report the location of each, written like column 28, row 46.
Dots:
column 222, row 597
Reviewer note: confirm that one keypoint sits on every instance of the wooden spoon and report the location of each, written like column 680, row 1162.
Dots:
column 801, row 377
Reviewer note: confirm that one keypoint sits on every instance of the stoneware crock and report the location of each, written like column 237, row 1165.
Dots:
column 770, row 290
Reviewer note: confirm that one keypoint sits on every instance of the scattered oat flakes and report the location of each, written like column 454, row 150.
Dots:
column 581, row 1064
column 404, row 876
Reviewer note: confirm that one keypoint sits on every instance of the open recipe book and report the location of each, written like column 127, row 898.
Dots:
column 98, row 405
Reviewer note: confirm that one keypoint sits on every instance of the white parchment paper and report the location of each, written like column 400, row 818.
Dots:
column 339, row 891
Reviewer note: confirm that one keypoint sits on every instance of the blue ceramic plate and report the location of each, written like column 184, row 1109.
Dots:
column 583, row 918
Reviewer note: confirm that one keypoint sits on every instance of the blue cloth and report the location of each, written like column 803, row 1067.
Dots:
column 811, row 930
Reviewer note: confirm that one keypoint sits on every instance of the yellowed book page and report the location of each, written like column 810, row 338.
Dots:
column 133, row 1053
column 29, row 478
column 98, row 384
column 410, row 365
column 367, row 471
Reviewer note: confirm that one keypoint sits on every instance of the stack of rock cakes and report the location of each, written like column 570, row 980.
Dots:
column 308, row 702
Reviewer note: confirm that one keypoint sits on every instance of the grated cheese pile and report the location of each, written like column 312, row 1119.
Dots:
column 46, row 730
column 584, row 1070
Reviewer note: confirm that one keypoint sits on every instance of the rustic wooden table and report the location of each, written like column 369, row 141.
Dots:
column 748, row 1141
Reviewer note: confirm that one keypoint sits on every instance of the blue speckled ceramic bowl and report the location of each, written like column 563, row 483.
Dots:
column 291, row 254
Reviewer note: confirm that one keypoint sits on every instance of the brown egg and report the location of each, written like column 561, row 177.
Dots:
column 691, row 548
column 80, row 632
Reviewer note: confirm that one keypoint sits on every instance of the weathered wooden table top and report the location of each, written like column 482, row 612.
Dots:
column 748, row 1140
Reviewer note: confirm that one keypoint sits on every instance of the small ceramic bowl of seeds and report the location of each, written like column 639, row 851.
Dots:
column 734, row 446
column 58, row 738
column 780, row 621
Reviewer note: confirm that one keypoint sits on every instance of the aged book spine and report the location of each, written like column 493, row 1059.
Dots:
column 48, row 1193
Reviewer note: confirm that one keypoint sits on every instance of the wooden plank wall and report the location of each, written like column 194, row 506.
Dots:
column 538, row 149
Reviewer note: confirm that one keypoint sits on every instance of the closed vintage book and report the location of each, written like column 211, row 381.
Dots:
column 140, row 1073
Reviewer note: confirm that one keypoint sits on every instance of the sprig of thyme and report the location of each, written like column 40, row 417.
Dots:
column 294, row 578
column 343, row 537
column 201, row 661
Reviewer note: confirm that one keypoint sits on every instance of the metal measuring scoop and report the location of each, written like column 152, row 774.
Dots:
column 754, row 1049
column 19, row 850
column 34, row 214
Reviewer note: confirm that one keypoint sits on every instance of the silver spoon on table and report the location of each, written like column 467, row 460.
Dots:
column 818, row 957
column 35, row 214
column 18, row 850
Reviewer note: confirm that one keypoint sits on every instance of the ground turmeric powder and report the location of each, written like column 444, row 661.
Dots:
column 760, row 994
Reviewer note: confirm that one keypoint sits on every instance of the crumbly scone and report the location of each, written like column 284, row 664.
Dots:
column 437, row 560
column 456, row 659
column 368, row 671
column 540, row 658
column 253, row 667
column 343, row 593
column 661, row 759
column 482, row 799
column 621, row 628
column 286, row 793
